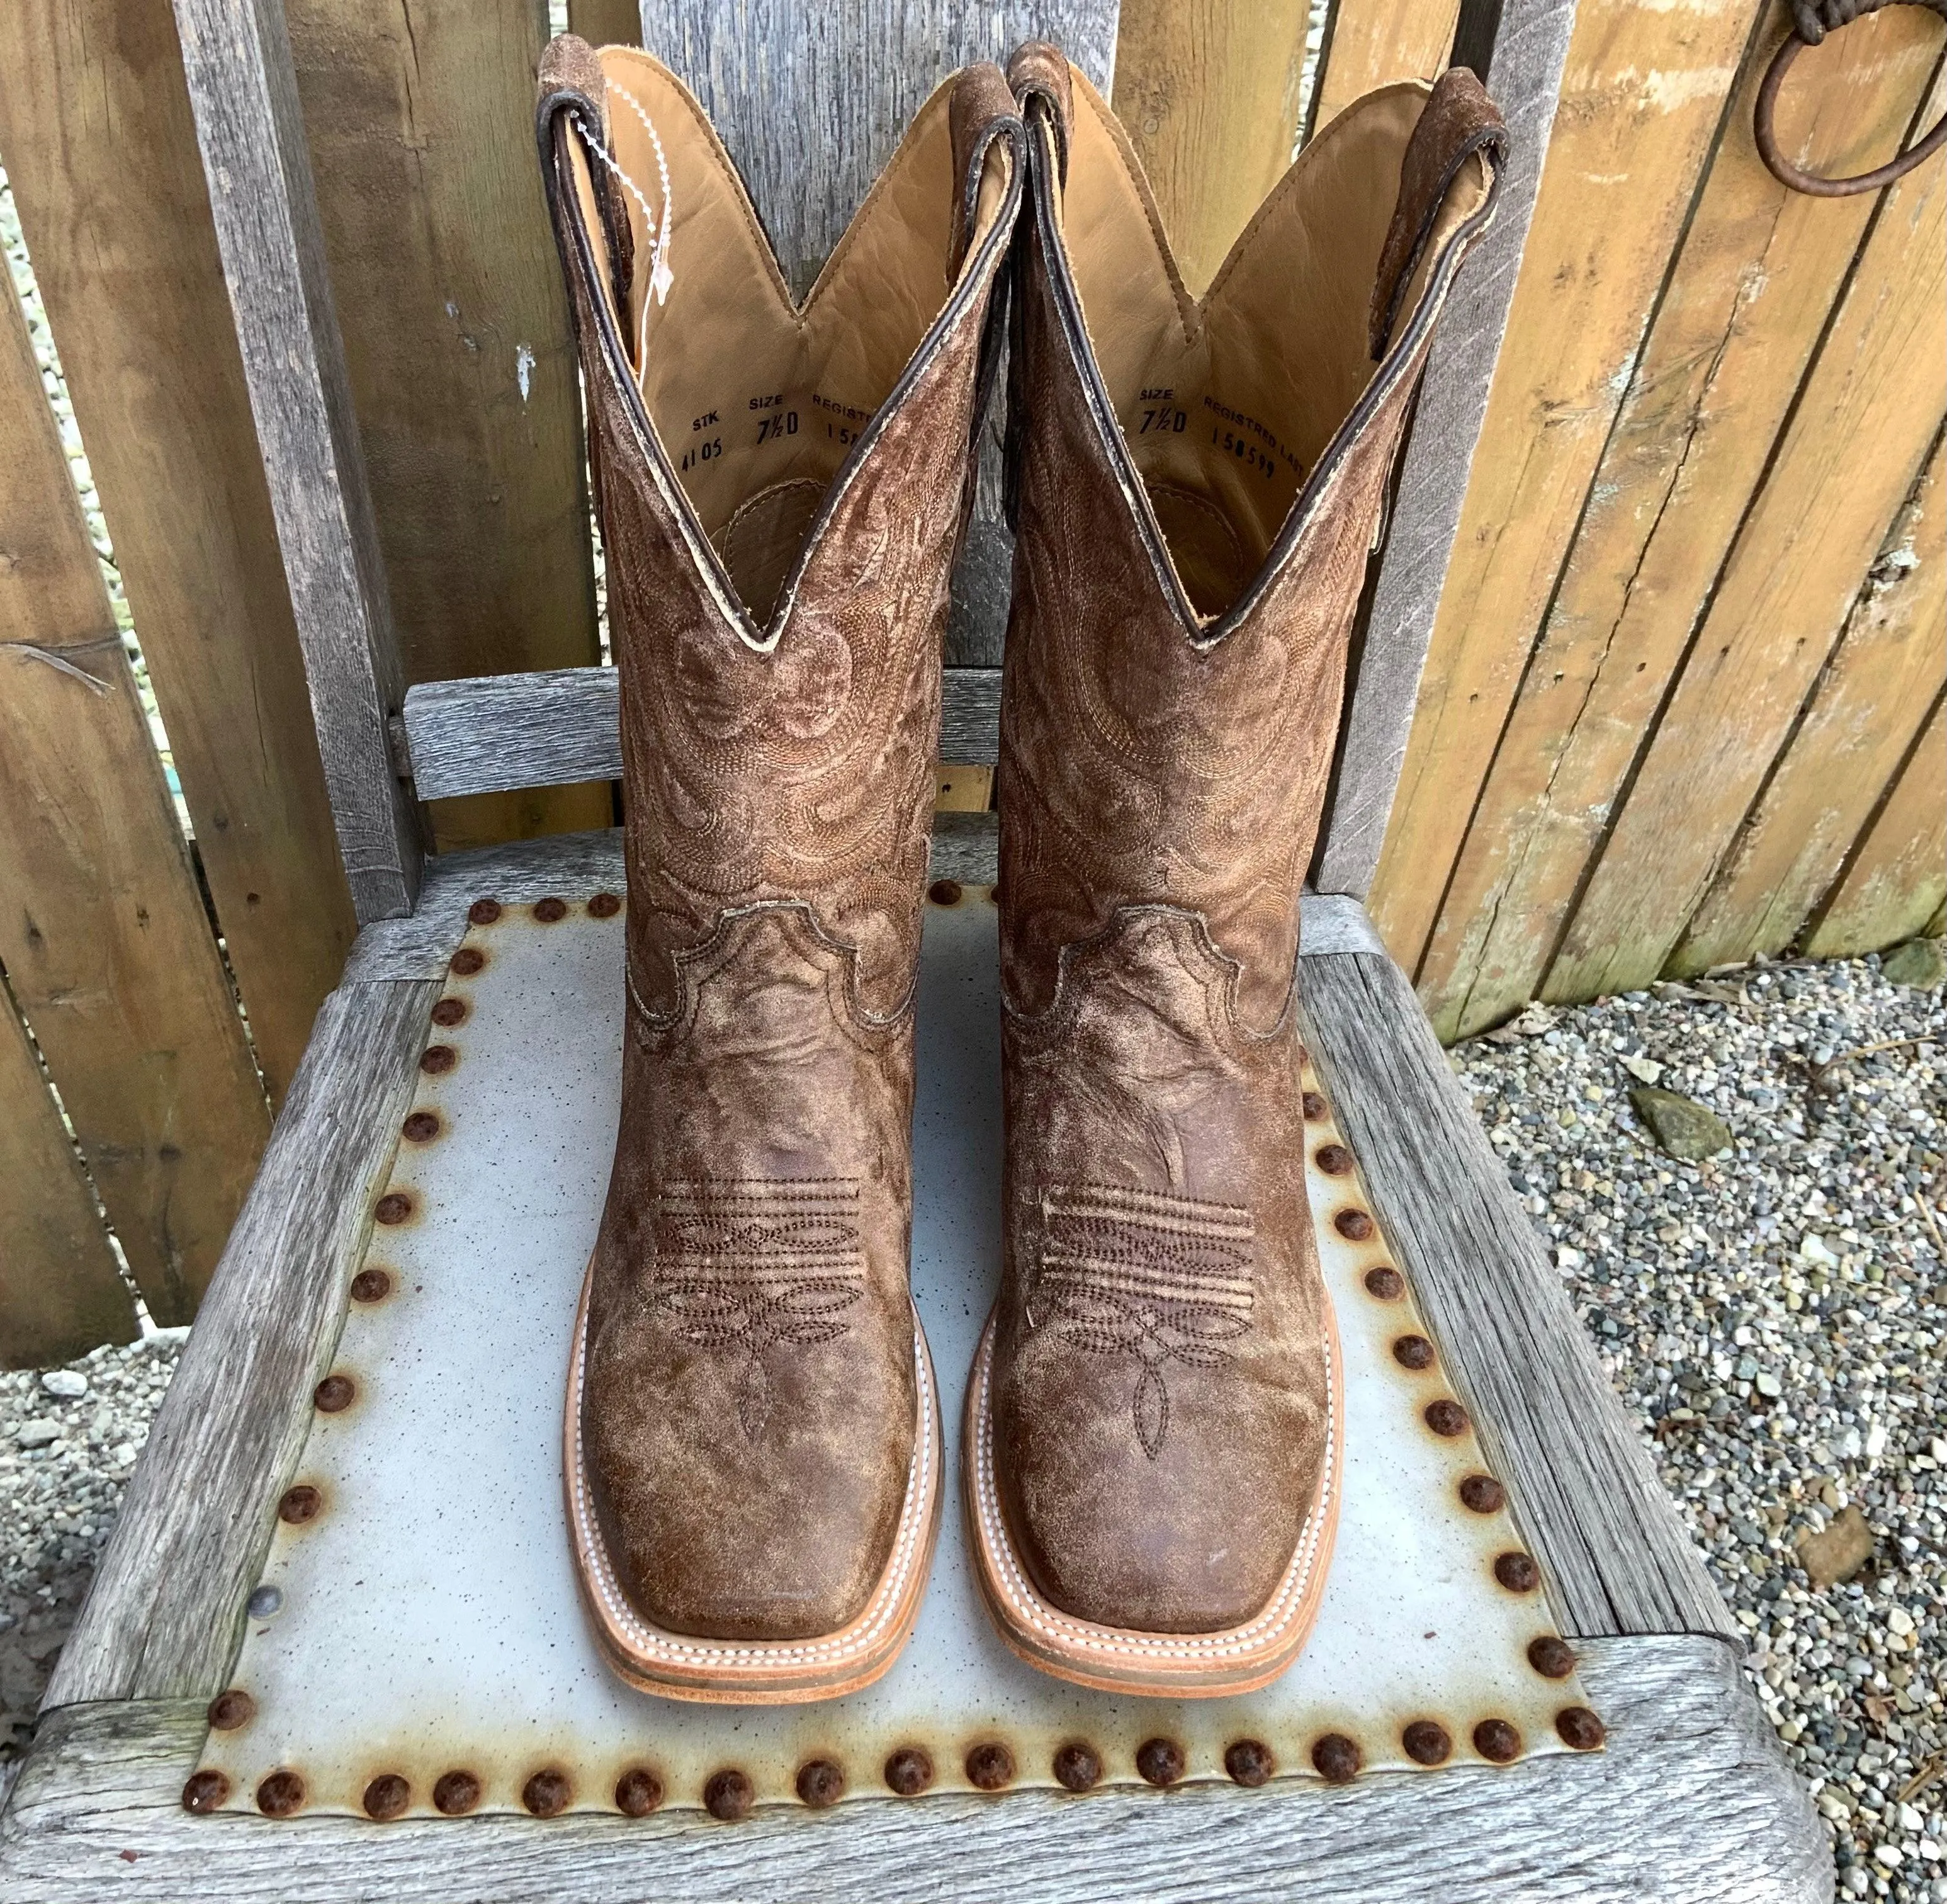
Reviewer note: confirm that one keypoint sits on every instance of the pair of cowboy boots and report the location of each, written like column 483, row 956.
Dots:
column 1154, row 1428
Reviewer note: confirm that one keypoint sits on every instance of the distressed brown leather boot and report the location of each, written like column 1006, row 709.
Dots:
column 753, row 1437
column 1154, row 1422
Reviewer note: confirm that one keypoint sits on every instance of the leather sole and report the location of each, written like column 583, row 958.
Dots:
column 1116, row 1659
column 756, row 1672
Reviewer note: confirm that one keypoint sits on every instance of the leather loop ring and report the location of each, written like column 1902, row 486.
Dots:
column 1811, row 23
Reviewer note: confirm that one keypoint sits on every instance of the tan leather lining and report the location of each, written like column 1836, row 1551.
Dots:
column 1227, row 402
column 757, row 400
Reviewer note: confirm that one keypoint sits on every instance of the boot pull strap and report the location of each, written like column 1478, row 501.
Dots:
column 1459, row 120
column 570, row 86
column 981, row 111
column 1038, row 70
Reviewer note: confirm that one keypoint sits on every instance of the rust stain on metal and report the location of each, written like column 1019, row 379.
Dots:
column 1333, row 1159
column 604, row 905
column 1355, row 1226
column 455, row 1794
column 281, row 1794
column 1445, row 1417
column 1497, row 1741
column 909, row 1771
column 371, row 1286
column 550, row 911
column 484, row 913
column 388, row 1796
column 638, row 1791
column 990, row 1767
column 230, row 1709
column 1427, row 1742
column 1385, row 1283
column 449, row 1011
column 1413, row 1352
column 298, row 1505
column 436, row 1059
column 1078, row 1766
column 820, row 1783
column 421, row 1127
column 206, row 1791
column 392, row 1208
column 1249, row 1762
column 1517, row 1572
column 944, row 892
column 729, row 1794
column 1551, row 1656
column 1314, row 1106
column 1159, row 1761
column 466, row 962
column 548, row 1792
column 1337, row 1759
column 1482, row 1494
column 335, row 1394
column 1579, row 1729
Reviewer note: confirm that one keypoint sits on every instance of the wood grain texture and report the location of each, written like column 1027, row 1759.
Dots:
column 1895, row 883
column 106, row 945
column 60, row 1293
column 1209, row 91
column 1749, row 294
column 418, row 117
column 101, row 153
column 1691, row 1804
column 1642, row 92
column 1525, row 75
column 1615, row 1556
column 238, row 62
column 1371, row 43
column 606, row 22
column 165, row 1615
column 1864, row 424
column 1866, row 710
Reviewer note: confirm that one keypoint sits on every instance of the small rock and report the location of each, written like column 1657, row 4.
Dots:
column 1839, row 1552
column 1681, row 1126
column 1646, row 1069
column 37, row 1433
column 1813, row 1248
column 1920, row 962
column 69, row 1384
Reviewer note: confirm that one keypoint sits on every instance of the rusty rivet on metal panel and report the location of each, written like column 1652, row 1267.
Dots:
column 1447, row 1417
column 1249, row 1761
column 549, row 910
column 1497, row 1741
column 299, row 1504
column 1334, row 1160
column 230, row 1709
column 467, row 961
column 638, row 1791
column 1579, row 1729
column 436, row 1060
column 449, row 1011
column 1314, row 1107
column 604, row 905
column 546, row 1794
column 280, row 1795
column 1385, row 1283
column 1160, row 1761
column 1517, row 1572
column 729, row 1795
column 909, row 1771
column 484, row 913
column 944, row 892
column 820, row 1783
column 455, row 1794
column 1427, row 1742
column 334, row 1393
column 1482, row 1494
column 422, row 1127
column 394, row 1207
column 371, row 1286
column 1355, row 1226
column 206, row 1791
column 1553, row 1658
column 990, row 1767
column 1078, row 1766
column 388, row 1796
column 1413, row 1352
column 1337, row 1759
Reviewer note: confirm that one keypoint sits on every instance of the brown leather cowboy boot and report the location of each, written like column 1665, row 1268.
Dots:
column 753, row 1438
column 1154, row 1431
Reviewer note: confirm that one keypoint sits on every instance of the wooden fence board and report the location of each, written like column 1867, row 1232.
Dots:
column 419, row 116
column 102, row 156
column 1748, row 299
column 60, row 1291
column 1372, row 43
column 1898, row 879
column 1867, row 416
column 1641, row 95
column 103, row 932
column 606, row 22
column 1865, row 711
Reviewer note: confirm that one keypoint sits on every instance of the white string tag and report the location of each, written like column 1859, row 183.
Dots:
column 657, row 229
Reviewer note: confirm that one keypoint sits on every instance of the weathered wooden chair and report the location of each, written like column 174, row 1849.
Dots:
column 1690, row 1798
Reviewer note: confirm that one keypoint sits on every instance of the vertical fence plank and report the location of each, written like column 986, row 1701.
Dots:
column 1749, row 294
column 1871, row 408
column 102, row 929
column 419, row 116
column 101, row 153
column 1897, row 880
column 1642, row 92
column 1372, row 43
column 1865, row 711
column 1209, row 91
column 606, row 22
column 60, row 1291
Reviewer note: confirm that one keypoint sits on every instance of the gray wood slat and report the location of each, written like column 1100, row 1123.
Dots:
column 1691, row 1804
column 237, row 56
column 1519, row 48
column 166, row 1612
column 492, row 733
column 1616, row 1559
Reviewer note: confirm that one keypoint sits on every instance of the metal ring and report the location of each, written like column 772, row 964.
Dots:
column 1786, row 173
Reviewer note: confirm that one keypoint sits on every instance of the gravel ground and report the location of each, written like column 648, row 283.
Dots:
column 1773, row 1316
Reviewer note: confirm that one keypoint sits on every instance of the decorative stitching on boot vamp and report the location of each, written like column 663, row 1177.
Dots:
column 1136, row 1273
